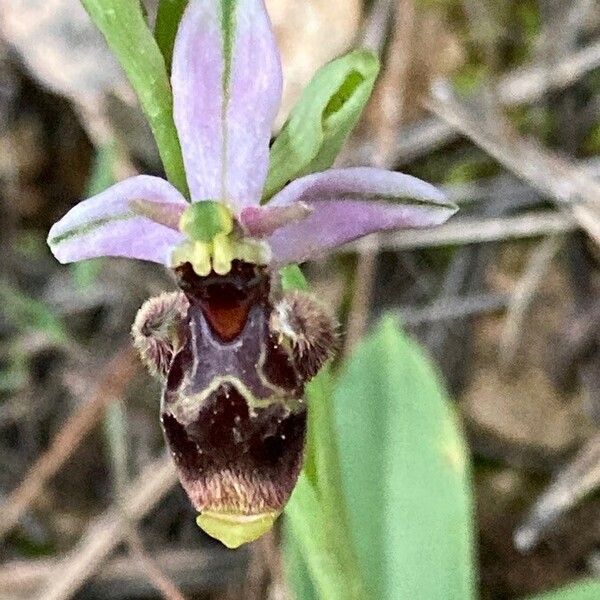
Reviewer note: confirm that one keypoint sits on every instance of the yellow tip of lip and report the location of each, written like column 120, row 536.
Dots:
column 232, row 529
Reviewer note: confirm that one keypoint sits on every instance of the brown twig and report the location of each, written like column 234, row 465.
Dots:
column 451, row 308
column 125, row 577
column 575, row 481
column 116, row 431
column 382, row 119
column 470, row 230
column 521, row 86
column 521, row 299
column 159, row 579
column 374, row 31
column 107, row 531
column 361, row 297
column 111, row 383
column 551, row 174
column 386, row 110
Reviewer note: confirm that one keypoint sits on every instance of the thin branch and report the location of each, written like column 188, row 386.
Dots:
column 575, row 481
column 107, row 531
column 382, row 119
column 159, row 579
column 521, row 299
column 552, row 175
column 117, row 373
column 361, row 297
column 528, row 84
column 470, row 231
column 453, row 308
column 522, row 86
column 124, row 577
column 376, row 25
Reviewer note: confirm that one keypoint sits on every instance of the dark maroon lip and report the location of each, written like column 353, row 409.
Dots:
column 244, row 280
column 240, row 448
column 226, row 300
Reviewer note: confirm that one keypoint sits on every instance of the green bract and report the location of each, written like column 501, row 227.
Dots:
column 318, row 125
column 167, row 22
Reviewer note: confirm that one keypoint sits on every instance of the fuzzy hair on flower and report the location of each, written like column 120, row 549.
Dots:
column 234, row 361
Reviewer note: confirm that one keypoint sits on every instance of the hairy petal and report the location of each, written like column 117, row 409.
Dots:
column 136, row 218
column 350, row 203
column 226, row 81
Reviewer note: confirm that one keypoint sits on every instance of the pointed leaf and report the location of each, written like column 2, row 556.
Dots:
column 322, row 119
column 405, row 473
column 168, row 17
column 296, row 571
column 321, row 545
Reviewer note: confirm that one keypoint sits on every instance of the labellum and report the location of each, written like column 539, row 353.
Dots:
column 232, row 409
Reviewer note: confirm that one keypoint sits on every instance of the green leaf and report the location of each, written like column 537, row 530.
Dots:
column 292, row 278
column 316, row 512
column 323, row 545
column 296, row 571
column 318, row 125
column 167, row 22
column 584, row 590
column 318, row 547
column 124, row 27
column 405, row 473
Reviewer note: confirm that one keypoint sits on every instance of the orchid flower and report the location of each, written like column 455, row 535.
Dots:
column 234, row 358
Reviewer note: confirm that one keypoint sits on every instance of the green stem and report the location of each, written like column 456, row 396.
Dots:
column 124, row 27
column 167, row 22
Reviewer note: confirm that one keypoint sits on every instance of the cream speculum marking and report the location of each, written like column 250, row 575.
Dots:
column 232, row 409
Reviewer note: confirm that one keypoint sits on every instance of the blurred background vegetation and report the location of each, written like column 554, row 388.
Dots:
column 496, row 101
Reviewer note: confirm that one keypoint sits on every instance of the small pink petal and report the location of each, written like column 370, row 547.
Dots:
column 120, row 222
column 224, row 112
column 260, row 221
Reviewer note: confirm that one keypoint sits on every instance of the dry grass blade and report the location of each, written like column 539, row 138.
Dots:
column 382, row 119
column 124, row 577
column 361, row 297
column 531, row 83
column 575, row 481
column 545, row 170
column 522, row 86
column 469, row 231
column 452, row 308
column 116, row 374
column 109, row 530
column 375, row 26
column 159, row 579
column 538, row 266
